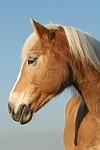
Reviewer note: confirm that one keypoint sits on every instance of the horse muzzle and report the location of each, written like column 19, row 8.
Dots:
column 23, row 114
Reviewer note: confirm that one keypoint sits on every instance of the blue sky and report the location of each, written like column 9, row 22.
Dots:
column 45, row 129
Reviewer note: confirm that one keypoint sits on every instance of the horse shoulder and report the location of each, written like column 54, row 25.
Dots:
column 71, row 111
column 72, row 104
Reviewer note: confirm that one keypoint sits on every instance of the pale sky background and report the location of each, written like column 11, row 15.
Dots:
column 44, row 132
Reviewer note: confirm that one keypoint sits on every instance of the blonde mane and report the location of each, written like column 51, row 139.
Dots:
column 83, row 46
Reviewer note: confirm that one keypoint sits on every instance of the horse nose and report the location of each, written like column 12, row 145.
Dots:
column 10, row 108
column 23, row 114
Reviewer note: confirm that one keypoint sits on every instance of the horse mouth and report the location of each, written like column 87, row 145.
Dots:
column 23, row 115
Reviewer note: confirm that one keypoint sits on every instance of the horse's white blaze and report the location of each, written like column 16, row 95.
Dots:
column 19, row 75
column 18, row 99
column 15, row 97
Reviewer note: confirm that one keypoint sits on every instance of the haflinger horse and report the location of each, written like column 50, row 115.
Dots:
column 53, row 58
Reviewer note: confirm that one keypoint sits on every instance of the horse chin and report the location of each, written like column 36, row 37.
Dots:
column 23, row 115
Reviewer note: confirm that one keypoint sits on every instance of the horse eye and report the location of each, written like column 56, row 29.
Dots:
column 32, row 61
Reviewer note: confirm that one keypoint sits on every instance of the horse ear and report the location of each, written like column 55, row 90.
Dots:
column 41, row 30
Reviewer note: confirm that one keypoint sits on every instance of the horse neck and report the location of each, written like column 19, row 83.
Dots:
column 87, row 81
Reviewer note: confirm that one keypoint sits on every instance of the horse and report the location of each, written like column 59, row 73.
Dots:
column 53, row 58
column 82, row 128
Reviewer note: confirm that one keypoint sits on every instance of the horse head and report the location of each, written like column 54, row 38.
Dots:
column 43, row 72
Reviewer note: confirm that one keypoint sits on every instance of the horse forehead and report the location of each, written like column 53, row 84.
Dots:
column 29, row 44
column 32, row 41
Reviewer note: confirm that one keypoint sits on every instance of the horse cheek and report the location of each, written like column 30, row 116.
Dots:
column 53, row 82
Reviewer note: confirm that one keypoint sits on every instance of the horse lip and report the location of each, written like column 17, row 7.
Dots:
column 23, row 115
column 26, row 115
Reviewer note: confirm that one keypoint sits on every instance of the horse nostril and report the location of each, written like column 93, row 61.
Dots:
column 10, row 108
